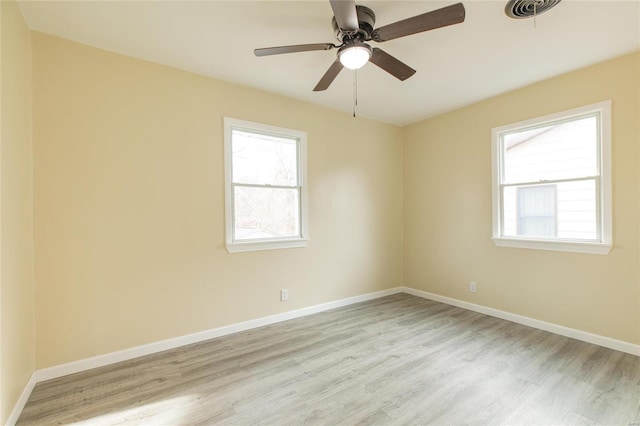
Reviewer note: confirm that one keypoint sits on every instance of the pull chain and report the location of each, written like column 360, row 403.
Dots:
column 355, row 92
column 536, row 3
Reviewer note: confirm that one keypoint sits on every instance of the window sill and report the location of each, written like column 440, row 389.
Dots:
column 566, row 246
column 239, row 247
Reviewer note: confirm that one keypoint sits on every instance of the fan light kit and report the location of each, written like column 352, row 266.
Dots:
column 353, row 26
column 354, row 56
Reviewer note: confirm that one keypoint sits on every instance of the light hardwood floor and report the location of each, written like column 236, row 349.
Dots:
column 395, row 360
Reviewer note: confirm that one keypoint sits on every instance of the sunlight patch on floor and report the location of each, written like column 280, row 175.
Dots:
column 167, row 411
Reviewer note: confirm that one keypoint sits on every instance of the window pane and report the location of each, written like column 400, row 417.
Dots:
column 528, row 211
column 559, row 151
column 266, row 213
column 264, row 160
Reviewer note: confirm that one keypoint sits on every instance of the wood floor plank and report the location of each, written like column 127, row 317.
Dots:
column 390, row 361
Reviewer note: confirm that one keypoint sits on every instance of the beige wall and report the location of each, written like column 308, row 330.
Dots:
column 129, row 211
column 447, row 210
column 17, row 315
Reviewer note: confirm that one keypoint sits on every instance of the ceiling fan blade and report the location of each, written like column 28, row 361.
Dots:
column 266, row 51
column 439, row 18
column 398, row 69
column 329, row 76
column 345, row 14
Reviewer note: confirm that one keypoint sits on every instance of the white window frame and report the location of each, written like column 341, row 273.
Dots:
column 603, row 184
column 234, row 246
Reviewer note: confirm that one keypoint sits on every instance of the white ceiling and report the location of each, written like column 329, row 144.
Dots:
column 486, row 55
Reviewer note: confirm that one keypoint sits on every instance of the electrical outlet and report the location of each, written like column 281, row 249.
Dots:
column 473, row 287
column 284, row 295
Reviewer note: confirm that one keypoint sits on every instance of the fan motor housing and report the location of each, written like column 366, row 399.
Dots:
column 366, row 21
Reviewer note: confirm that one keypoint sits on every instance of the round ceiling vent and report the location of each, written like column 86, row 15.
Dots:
column 519, row 9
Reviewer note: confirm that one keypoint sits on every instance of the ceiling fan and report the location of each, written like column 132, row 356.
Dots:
column 353, row 26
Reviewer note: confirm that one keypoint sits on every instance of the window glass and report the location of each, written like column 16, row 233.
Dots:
column 558, row 151
column 266, row 213
column 264, row 160
column 566, row 210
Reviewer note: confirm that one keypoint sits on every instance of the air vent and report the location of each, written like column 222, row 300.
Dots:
column 520, row 9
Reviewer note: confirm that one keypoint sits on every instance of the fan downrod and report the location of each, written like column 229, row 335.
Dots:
column 366, row 22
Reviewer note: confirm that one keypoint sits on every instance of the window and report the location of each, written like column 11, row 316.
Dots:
column 552, row 182
column 265, row 190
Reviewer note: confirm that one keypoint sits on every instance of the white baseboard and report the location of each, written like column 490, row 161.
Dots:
column 163, row 345
column 127, row 354
column 596, row 339
column 22, row 401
